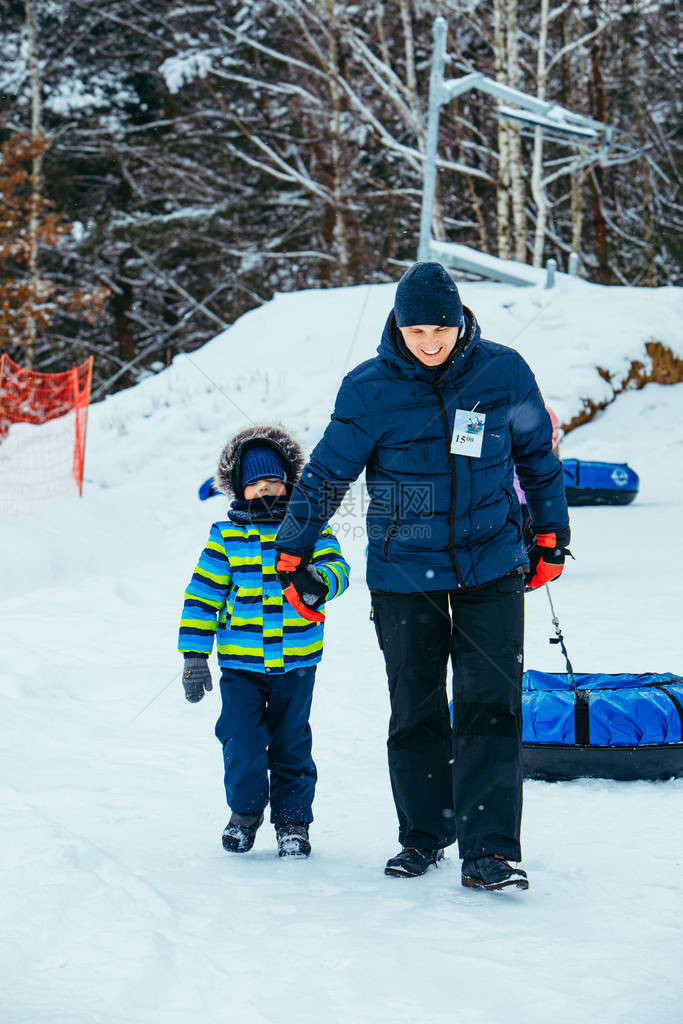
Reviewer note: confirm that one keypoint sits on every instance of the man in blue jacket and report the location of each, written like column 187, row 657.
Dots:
column 439, row 419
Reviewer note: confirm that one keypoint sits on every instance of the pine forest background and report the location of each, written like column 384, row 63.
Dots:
column 167, row 166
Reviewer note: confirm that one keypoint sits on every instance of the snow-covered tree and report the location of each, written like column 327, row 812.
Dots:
column 208, row 154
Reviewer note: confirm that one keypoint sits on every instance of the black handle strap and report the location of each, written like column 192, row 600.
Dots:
column 559, row 638
column 582, row 723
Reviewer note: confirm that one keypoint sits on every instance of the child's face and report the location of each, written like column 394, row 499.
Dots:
column 264, row 487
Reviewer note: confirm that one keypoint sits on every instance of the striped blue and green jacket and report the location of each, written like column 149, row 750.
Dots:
column 235, row 592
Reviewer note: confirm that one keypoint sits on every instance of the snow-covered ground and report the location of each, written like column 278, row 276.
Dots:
column 119, row 904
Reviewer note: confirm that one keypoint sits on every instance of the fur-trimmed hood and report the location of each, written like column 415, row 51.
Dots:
column 227, row 477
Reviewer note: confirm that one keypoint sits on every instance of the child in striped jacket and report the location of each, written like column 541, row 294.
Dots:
column 268, row 620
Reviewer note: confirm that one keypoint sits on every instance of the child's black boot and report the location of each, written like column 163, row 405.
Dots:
column 240, row 832
column 292, row 840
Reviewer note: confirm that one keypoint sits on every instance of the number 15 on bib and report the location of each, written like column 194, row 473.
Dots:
column 468, row 433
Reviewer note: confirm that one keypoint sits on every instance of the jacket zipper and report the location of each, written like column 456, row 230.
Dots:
column 454, row 489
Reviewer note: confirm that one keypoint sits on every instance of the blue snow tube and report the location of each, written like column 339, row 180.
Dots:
column 616, row 726
column 611, row 726
column 599, row 483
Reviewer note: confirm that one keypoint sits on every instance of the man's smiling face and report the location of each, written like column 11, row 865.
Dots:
column 430, row 343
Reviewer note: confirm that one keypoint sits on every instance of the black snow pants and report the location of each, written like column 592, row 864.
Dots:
column 464, row 782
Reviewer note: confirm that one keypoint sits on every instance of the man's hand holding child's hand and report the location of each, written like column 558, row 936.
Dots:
column 302, row 584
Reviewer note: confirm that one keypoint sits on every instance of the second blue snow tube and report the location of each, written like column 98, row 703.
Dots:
column 599, row 483
column 619, row 726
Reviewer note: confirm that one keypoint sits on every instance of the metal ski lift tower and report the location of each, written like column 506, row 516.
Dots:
column 550, row 117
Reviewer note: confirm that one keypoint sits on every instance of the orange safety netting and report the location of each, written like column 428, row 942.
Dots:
column 43, row 419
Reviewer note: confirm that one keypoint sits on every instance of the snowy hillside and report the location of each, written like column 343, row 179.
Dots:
column 119, row 903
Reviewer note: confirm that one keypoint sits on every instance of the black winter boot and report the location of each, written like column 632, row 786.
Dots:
column 411, row 862
column 492, row 873
column 292, row 840
column 238, row 836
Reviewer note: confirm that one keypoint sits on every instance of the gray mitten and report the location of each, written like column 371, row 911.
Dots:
column 196, row 678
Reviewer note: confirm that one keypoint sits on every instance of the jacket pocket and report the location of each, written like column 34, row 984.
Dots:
column 391, row 531
column 489, row 406
column 513, row 583
column 511, row 517
column 374, row 617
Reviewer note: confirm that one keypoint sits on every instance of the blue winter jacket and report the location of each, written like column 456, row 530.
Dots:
column 234, row 594
column 436, row 520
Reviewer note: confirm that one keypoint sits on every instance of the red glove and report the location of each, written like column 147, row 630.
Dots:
column 302, row 585
column 547, row 555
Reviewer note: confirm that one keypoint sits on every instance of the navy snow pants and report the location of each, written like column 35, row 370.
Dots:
column 264, row 730
column 464, row 782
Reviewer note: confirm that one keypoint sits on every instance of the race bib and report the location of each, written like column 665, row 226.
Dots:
column 468, row 433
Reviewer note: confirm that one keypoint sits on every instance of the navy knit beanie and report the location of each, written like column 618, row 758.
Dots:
column 427, row 295
column 258, row 461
